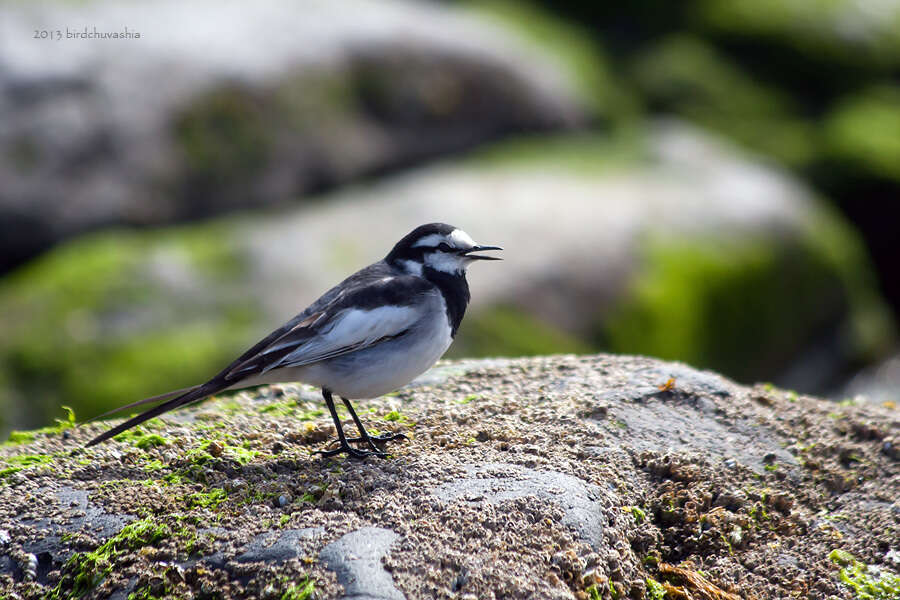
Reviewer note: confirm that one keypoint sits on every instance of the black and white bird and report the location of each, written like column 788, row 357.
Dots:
column 371, row 334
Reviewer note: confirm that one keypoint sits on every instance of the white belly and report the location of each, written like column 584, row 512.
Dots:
column 373, row 371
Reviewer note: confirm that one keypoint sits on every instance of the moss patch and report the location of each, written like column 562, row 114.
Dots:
column 864, row 130
column 138, row 438
column 685, row 75
column 85, row 324
column 86, row 570
column 576, row 51
column 731, row 304
column 867, row 583
column 585, row 154
column 839, row 31
column 509, row 331
column 210, row 499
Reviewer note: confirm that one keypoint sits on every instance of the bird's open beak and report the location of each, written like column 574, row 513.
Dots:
column 468, row 253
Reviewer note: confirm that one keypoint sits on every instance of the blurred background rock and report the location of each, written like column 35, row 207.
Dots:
column 714, row 181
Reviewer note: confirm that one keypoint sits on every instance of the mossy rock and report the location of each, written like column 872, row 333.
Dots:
column 577, row 53
column 840, row 31
column 748, row 306
column 863, row 131
column 99, row 320
column 690, row 77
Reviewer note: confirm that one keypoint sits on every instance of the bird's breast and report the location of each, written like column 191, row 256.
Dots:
column 389, row 365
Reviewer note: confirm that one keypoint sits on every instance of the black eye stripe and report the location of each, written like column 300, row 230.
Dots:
column 445, row 247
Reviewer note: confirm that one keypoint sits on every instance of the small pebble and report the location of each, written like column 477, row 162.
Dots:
column 283, row 500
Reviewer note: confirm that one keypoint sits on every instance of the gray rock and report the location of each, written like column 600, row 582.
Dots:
column 877, row 384
column 316, row 96
column 356, row 560
column 277, row 547
column 516, row 493
column 79, row 515
column 498, row 482
column 9, row 567
column 685, row 423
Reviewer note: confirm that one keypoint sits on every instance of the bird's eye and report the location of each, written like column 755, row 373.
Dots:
column 445, row 247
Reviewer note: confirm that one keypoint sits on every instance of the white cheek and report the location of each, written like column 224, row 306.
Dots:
column 448, row 263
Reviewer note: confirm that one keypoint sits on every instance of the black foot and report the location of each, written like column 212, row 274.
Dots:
column 379, row 439
column 351, row 452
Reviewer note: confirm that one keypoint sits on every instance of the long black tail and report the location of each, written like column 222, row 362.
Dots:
column 142, row 402
column 192, row 395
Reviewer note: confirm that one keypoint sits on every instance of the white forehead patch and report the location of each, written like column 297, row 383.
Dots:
column 461, row 239
column 430, row 240
column 457, row 238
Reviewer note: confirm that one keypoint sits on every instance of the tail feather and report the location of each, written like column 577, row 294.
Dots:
column 192, row 395
column 149, row 400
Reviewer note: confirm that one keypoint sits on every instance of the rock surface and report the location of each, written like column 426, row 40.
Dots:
column 216, row 107
column 558, row 477
column 671, row 244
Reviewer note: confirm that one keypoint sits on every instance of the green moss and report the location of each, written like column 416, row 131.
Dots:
column 9, row 471
column 509, row 331
column 20, row 437
column 655, row 590
column 86, row 570
column 584, row 154
column 140, row 439
column 864, row 130
column 145, row 593
column 302, row 591
column 14, row 464
column 29, row 460
column 743, row 306
column 84, row 324
column 818, row 28
column 639, row 515
column 574, row 49
column 686, row 75
column 202, row 454
column 211, row 499
column 867, row 583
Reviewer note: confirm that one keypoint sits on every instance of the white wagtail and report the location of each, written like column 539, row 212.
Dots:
column 374, row 332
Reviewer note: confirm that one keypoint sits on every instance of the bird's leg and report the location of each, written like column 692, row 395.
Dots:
column 344, row 447
column 365, row 436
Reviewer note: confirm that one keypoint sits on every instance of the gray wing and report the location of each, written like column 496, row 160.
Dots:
column 358, row 318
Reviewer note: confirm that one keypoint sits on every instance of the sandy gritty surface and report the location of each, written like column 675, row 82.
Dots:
column 553, row 477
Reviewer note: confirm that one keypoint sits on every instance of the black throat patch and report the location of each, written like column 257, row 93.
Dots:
column 455, row 290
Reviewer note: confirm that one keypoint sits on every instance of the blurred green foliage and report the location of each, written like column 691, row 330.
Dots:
column 92, row 322
column 511, row 331
column 746, row 307
column 687, row 75
column 571, row 48
column 864, row 130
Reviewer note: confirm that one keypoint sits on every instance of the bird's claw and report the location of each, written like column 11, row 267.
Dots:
column 351, row 452
column 379, row 439
column 369, row 439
